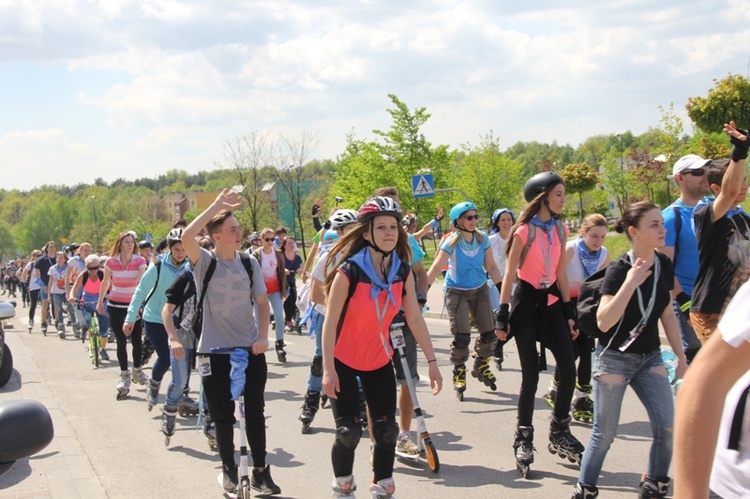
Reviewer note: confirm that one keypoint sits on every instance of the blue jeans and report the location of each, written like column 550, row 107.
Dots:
column 180, row 377
column 277, row 308
column 315, row 383
column 57, row 303
column 87, row 310
column 613, row 372
column 157, row 335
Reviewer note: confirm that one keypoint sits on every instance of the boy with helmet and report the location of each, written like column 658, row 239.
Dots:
column 468, row 250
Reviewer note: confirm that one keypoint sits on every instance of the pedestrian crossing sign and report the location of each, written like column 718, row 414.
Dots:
column 423, row 185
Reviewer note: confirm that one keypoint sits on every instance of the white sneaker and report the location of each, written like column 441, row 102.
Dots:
column 405, row 445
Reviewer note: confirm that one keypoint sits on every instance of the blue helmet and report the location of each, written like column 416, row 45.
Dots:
column 500, row 211
column 461, row 208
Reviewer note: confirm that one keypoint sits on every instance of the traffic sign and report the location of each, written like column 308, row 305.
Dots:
column 423, row 185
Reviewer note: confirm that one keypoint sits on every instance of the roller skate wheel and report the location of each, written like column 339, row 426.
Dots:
column 551, row 448
column 493, row 387
column 305, row 428
column 460, row 395
column 166, row 441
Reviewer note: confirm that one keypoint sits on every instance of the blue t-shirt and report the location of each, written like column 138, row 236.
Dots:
column 466, row 270
column 416, row 250
column 686, row 266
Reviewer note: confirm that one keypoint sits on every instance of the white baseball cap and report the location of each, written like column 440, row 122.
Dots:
column 689, row 162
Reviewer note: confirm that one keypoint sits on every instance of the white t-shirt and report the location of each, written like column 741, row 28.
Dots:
column 57, row 279
column 730, row 475
column 497, row 246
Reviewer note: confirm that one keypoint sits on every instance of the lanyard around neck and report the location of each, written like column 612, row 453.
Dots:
column 646, row 311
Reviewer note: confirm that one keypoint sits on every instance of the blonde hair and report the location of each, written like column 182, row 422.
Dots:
column 593, row 220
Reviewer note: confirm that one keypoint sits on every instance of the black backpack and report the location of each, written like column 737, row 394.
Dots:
column 589, row 297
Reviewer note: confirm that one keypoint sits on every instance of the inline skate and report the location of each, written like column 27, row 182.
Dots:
column 459, row 380
column 482, row 372
column 383, row 489
column 168, row 415
column 523, row 446
column 653, row 488
column 583, row 406
column 123, row 387
column 562, row 442
column 344, row 487
column 152, row 393
column 280, row 353
column 309, row 409
column 585, row 492
column 187, row 407
column 551, row 394
column 209, row 431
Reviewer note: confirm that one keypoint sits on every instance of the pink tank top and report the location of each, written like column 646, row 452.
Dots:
column 534, row 266
column 124, row 279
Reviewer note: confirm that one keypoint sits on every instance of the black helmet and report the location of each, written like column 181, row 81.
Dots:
column 145, row 245
column 539, row 183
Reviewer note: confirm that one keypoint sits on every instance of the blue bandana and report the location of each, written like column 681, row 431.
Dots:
column 363, row 259
column 734, row 210
column 589, row 259
column 547, row 226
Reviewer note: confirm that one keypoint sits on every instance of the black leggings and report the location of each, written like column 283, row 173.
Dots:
column 33, row 300
column 116, row 320
column 25, row 292
column 380, row 393
column 290, row 304
column 583, row 348
column 221, row 407
column 557, row 339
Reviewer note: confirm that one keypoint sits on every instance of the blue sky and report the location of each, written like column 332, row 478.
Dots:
column 133, row 88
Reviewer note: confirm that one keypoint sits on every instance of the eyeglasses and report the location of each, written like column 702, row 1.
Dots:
column 471, row 217
column 268, row 239
column 699, row 172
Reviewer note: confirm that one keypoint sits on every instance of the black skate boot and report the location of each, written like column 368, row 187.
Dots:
column 187, row 407
column 655, row 488
column 562, row 442
column 280, row 353
column 585, row 492
column 482, row 372
column 168, row 422
column 459, row 380
column 44, row 328
column 309, row 409
column 583, row 406
column 209, row 431
column 551, row 394
column 524, row 449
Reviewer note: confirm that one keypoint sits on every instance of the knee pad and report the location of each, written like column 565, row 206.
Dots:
column 348, row 433
column 485, row 344
column 460, row 348
column 385, row 430
column 316, row 367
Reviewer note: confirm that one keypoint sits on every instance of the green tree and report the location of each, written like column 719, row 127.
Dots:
column 7, row 245
column 728, row 100
column 501, row 177
column 617, row 178
column 579, row 178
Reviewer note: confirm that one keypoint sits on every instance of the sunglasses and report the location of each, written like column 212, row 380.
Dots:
column 699, row 172
column 471, row 217
column 268, row 239
column 92, row 268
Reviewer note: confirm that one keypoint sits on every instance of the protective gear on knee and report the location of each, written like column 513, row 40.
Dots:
column 460, row 348
column 316, row 367
column 385, row 430
column 485, row 343
column 349, row 432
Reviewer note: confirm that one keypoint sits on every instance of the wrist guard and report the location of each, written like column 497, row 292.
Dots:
column 683, row 300
column 739, row 151
column 501, row 319
column 315, row 209
column 421, row 298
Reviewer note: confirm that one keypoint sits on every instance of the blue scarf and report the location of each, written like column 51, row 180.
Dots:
column 363, row 259
column 547, row 226
column 589, row 260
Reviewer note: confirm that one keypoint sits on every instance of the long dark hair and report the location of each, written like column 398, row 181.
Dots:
column 529, row 211
column 632, row 217
column 353, row 242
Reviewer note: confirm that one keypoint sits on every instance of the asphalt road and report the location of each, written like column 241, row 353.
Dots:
column 109, row 448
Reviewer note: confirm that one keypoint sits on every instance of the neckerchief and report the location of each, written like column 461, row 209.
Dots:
column 734, row 210
column 363, row 259
column 589, row 259
column 547, row 226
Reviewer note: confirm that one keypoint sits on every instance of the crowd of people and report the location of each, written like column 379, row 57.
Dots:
column 198, row 296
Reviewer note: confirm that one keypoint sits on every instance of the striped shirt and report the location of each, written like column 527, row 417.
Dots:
column 124, row 279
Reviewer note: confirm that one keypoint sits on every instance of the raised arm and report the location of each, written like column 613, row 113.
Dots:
column 226, row 200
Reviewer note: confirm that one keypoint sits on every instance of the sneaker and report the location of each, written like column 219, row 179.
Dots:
column 263, row 483
column 103, row 354
column 405, row 445
column 229, row 478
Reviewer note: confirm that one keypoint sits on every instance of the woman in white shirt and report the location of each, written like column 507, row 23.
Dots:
column 502, row 222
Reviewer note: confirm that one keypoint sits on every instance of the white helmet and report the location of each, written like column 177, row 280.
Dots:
column 342, row 218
